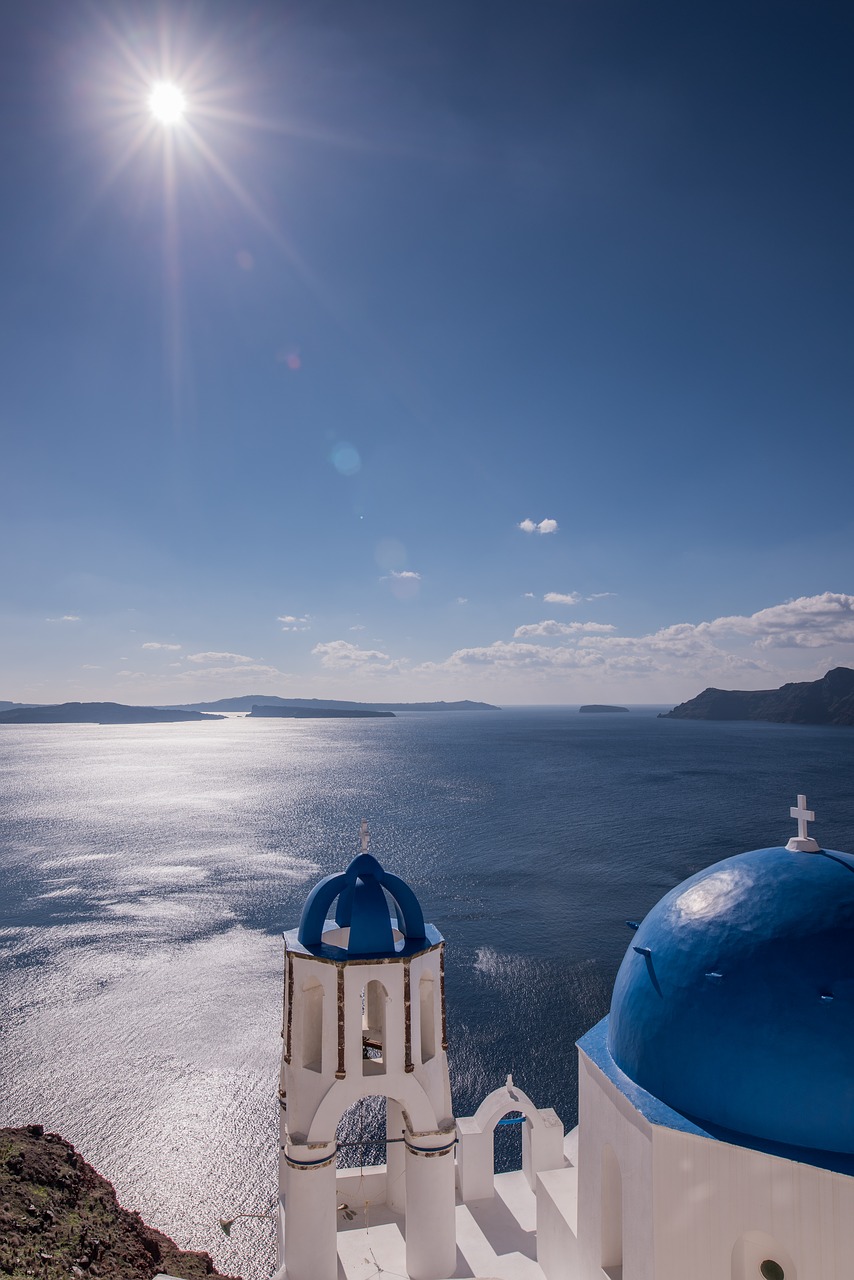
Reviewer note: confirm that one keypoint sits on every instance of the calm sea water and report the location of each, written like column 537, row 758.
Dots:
column 148, row 872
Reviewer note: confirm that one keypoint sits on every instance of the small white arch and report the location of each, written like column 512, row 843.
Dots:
column 542, row 1141
column 752, row 1249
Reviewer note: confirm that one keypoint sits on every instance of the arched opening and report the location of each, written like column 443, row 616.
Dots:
column 312, row 1025
column 374, row 1001
column 427, row 1007
column 612, row 1215
column 361, row 1134
column 758, row 1256
column 507, row 1141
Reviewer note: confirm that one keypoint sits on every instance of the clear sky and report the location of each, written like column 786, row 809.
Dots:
column 461, row 349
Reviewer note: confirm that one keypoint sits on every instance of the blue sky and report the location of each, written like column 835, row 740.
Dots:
column 451, row 350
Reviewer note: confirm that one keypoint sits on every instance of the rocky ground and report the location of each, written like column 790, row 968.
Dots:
column 59, row 1218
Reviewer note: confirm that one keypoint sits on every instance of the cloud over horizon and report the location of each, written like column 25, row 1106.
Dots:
column 551, row 628
column 342, row 655
column 215, row 655
column 698, row 651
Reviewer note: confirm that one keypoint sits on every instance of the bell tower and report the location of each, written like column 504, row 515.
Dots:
column 364, row 1014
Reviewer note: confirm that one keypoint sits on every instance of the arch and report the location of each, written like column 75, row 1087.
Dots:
column 417, row 1108
column 496, row 1105
column 751, row 1249
column 311, row 1001
column 427, row 1012
column 612, row 1213
column 542, row 1141
column 374, row 1017
column 361, row 1132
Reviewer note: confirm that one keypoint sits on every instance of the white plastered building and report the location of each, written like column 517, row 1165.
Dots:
column 716, row 1100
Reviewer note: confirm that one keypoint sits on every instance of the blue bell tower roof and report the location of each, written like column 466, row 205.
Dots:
column 363, row 927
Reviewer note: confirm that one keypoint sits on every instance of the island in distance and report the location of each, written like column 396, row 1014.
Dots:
column 99, row 713
column 829, row 700
column 595, row 708
column 319, row 713
column 245, row 702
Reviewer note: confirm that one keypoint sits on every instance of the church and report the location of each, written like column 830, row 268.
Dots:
column 715, row 1135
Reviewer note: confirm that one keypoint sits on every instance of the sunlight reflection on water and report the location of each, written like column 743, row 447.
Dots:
column 150, row 870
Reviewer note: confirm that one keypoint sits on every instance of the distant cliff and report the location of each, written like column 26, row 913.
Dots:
column 98, row 713
column 829, row 700
column 318, row 713
column 59, row 1218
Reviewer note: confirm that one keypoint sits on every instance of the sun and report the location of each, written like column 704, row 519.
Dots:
column 167, row 103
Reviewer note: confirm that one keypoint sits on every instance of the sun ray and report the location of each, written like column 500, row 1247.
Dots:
column 251, row 206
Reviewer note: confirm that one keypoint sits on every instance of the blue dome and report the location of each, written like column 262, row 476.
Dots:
column 734, row 1004
column 363, row 925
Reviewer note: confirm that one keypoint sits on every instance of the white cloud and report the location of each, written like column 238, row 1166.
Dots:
column 601, row 595
column 358, row 626
column 551, row 628
column 726, row 650
column 344, row 656
column 293, row 623
column 90, row 666
column 545, row 526
column 405, row 574
column 558, row 597
column 527, row 595
column 214, row 655
column 250, row 671
column 66, row 617
column 133, row 675
column 809, row 622
column 462, row 599
column 154, row 644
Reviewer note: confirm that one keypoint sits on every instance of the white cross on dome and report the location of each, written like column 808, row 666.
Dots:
column 803, row 841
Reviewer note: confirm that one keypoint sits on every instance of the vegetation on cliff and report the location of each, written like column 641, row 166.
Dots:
column 59, row 1218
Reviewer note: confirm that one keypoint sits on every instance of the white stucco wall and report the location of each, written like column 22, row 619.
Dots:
column 694, row 1206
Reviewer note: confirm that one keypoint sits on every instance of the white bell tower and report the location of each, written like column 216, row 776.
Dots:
column 364, row 1014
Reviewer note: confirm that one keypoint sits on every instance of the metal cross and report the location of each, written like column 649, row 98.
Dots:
column 803, row 815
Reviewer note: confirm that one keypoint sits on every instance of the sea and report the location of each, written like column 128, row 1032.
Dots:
column 147, row 873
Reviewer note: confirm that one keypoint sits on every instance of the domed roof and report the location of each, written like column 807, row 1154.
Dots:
column 733, row 1005
column 363, row 925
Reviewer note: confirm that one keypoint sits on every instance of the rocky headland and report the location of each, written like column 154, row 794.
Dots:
column 61, row 1219
column 829, row 700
